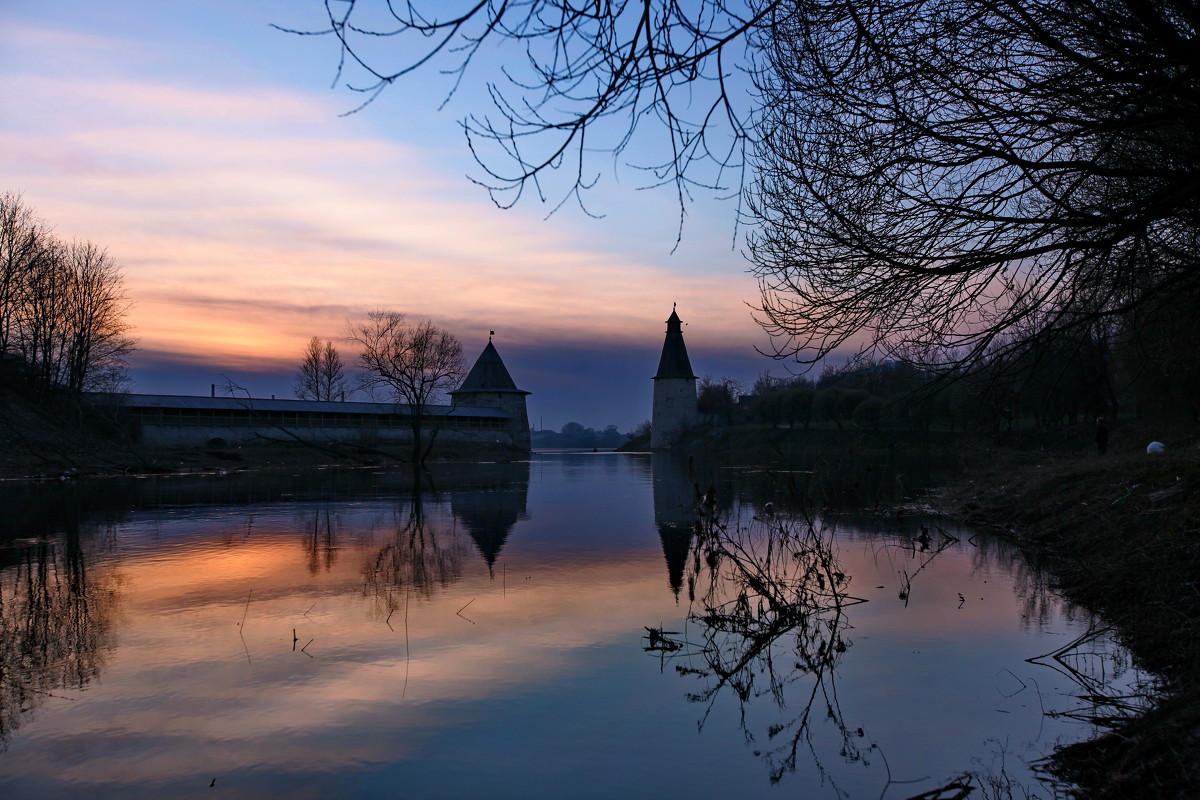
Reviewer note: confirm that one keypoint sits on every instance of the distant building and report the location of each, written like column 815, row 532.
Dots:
column 488, row 385
column 487, row 408
column 675, row 409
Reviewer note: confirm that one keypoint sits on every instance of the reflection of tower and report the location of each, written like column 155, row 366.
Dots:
column 675, row 408
column 489, row 500
column 489, row 385
column 674, row 514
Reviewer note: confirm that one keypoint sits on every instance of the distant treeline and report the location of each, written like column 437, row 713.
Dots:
column 1148, row 370
column 575, row 435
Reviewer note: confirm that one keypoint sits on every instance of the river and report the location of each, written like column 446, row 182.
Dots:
column 578, row 625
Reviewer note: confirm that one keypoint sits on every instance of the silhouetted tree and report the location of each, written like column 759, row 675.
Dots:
column 943, row 181
column 62, row 306
column 869, row 413
column 827, row 405
column 583, row 79
column 933, row 177
column 416, row 362
column 24, row 240
column 796, row 405
column 321, row 375
column 766, row 383
column 1157, row 351
column 95, row 336
column 717, row 398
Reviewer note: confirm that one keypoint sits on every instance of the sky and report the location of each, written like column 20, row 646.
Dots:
column 212, row 156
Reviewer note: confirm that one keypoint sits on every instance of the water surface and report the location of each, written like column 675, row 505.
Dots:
column 550, row 628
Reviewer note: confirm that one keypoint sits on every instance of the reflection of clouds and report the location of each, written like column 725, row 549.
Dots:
column 186, row 700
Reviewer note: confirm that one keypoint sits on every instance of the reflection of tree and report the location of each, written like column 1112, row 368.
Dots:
column 771, row 611
column 320, row 538
column 922, row 549
column 56, row 615
column 414, row 561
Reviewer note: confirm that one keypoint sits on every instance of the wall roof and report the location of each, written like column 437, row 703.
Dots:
column 268, row 404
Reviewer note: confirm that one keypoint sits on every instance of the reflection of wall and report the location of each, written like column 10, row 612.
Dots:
column 489, row 500
column 674, row 513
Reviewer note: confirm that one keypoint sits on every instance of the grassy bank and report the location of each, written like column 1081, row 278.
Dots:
column 1120, row 536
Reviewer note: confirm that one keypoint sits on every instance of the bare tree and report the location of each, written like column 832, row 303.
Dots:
column 69, row 323
column 417, row 362
column 63, row 309
column 585, row 80
column 321, row 375
column 935, row 180
column 97, row 336
column 943, row 181
column 24, row 239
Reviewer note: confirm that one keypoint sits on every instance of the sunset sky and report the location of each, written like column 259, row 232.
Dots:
column 205, row 150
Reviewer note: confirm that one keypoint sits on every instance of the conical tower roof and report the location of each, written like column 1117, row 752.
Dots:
column 674, row 361
column 489, row 374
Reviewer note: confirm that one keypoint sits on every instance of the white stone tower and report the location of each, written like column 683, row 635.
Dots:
column 675, row 409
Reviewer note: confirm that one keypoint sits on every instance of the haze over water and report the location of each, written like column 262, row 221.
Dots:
column 325, row 635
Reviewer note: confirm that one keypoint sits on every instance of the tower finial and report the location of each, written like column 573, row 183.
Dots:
column 490, row 335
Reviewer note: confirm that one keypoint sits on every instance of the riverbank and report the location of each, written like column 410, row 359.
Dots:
column 1120, row 536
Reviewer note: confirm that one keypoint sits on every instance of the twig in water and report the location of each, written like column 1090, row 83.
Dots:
column 1015, row 678
column 407, row 651
column 246, row 611
column 459, row 612
column 310, row 608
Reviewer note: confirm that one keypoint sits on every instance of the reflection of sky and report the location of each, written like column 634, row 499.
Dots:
column 206, row 152
column 528, row 683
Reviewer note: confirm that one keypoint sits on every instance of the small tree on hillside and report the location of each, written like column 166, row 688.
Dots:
column 321, row 375
column 417, row 362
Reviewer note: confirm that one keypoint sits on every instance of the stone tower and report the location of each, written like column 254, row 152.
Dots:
column 488, row 385
column 675, row 407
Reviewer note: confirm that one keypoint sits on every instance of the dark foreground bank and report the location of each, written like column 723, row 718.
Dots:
column 1120, row 534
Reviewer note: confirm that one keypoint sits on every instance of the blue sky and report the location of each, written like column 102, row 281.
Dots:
column 208, row 153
